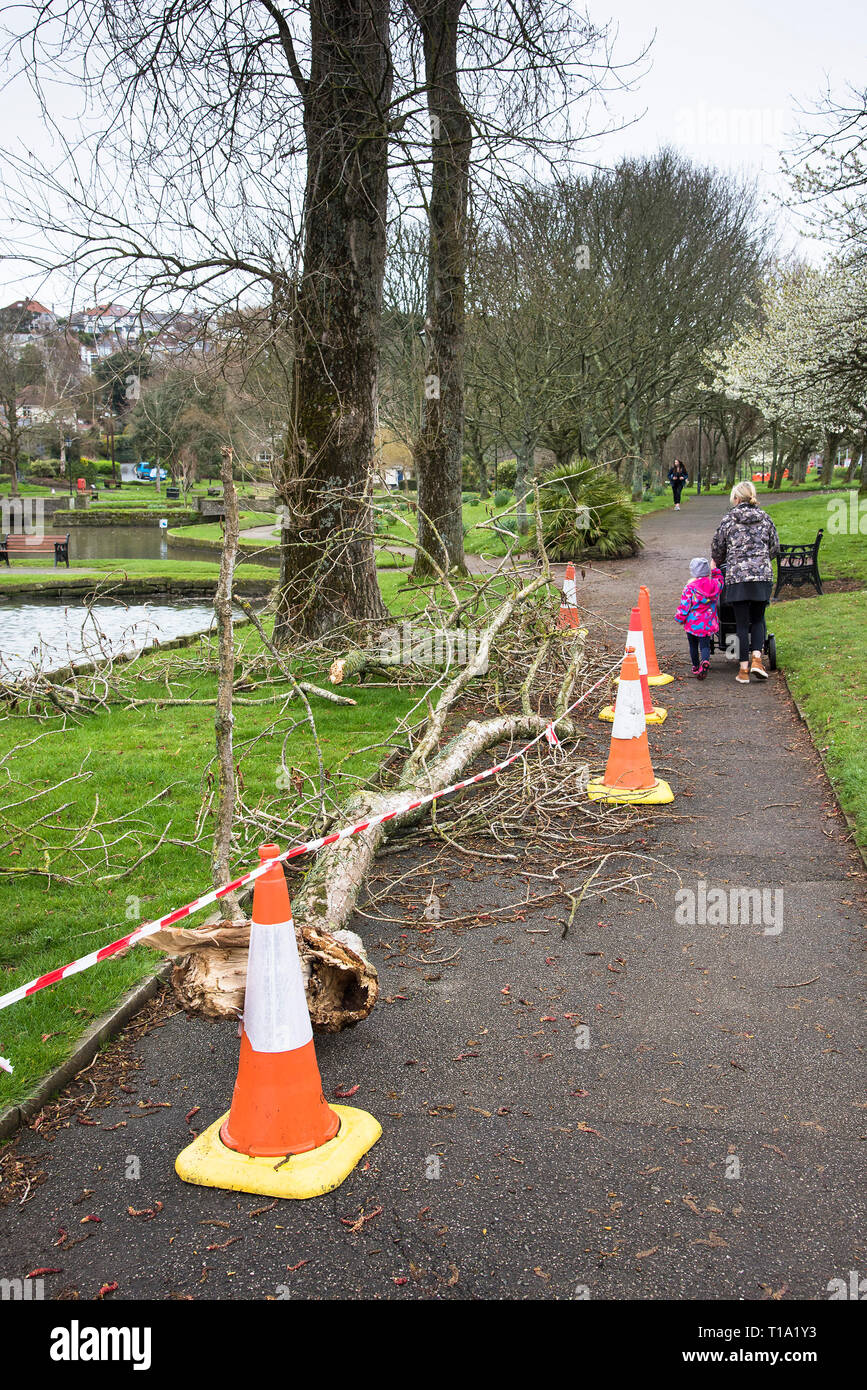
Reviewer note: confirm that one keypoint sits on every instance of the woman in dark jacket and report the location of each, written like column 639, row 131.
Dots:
column 678, row 477
column 746, row 542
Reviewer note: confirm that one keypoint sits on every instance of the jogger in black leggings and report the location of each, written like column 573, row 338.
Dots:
column 750, row 623
column 678, row 477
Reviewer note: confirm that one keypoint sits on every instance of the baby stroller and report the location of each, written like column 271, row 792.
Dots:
column 726, row 639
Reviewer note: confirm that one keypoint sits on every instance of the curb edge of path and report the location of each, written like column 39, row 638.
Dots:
column 15, row 1116
column 861, row 849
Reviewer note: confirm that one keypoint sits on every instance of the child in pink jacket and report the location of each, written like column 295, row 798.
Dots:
column 697, row 611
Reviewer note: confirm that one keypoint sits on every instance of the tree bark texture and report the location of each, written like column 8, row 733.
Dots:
column 328, row 569
column 438, row 450
column 223, row 715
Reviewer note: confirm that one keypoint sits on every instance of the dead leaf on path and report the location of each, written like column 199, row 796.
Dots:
column 642, row 1254
column 712, row 1238
column 225, row 1244
column 260, row 1211
column 149, row 1212
column 541, row 1273
column 774, row 1149
column 692, row 1204
column 770, row 1293
column 356, row 1223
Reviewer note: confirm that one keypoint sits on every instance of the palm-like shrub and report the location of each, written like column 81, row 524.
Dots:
column 586, row 514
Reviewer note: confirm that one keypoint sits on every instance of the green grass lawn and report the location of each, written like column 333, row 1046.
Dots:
column 213, row 531
column 814, row 482
column 822, row 647
column 128, row 493
column 128, row 757
column 478, row 538
column 206, row 570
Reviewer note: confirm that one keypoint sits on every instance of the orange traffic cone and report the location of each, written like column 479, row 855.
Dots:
column 654, row 675
column 629, row 774
column 278, row 1108
column 568, row 615
column 653, row 714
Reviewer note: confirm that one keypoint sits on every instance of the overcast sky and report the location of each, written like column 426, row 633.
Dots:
column 724, row 84
column 726, row 81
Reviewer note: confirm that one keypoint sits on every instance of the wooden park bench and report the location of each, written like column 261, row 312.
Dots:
column 799, row 564
column 58, row 546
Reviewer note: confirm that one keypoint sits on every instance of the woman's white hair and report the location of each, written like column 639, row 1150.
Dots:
column 742, row 492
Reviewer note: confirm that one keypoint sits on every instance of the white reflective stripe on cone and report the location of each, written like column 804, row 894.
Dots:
column 570, row 593
column 628, row 711
column 276, row 1017
column 636, row 640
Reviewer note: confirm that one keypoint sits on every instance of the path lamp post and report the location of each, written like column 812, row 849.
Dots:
column 698, row 466
column 67, row 445
column 109, row 436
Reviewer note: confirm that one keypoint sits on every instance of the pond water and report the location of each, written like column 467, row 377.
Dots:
column 49, row 634
column 132, row 543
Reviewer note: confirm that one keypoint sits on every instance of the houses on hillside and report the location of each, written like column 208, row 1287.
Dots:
column 105, row 329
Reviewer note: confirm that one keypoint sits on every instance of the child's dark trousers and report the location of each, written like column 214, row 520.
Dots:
column 699, row 648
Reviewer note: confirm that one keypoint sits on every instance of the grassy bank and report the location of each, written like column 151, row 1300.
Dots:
column 822, row 647
column 118, row 760
column 32, row 576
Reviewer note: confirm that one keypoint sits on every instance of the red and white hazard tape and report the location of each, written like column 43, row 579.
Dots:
column 311, row 846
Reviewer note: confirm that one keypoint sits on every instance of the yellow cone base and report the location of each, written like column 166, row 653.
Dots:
column 208, row 1163
column 651, row 680
column 657, row 795
column 658, row 716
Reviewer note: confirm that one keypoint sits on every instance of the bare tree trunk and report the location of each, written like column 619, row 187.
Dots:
column 223, row 716
column 523, row 472
column 831, row 441
column 12, row 441
column 327, row 564
column 777, row 462
column 439, row 450
column 474, row 442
